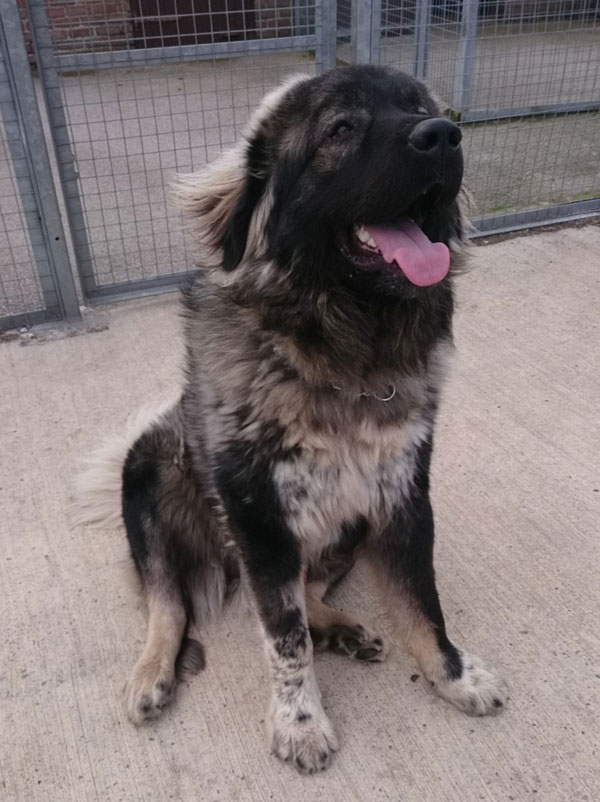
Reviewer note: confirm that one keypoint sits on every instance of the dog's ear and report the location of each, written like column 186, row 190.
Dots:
column 236, row 234
column 219, row 201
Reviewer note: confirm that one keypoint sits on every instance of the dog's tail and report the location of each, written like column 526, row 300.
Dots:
column 97, row 486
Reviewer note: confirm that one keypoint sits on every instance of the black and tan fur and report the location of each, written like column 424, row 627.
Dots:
column 283, row 460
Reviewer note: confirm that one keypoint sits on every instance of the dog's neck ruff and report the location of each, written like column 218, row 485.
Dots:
column 367, row 394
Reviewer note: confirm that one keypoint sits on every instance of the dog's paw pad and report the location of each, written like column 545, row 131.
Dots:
column 478, row 692
column 149, row 689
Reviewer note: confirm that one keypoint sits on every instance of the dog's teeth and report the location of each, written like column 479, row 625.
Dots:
column 362, row 234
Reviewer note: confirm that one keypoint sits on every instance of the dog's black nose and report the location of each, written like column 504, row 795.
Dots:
column 431, row 136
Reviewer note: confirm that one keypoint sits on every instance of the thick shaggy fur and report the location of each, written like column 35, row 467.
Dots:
column 303, row 434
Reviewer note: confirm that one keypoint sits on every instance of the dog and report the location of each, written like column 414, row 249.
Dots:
column 317, row 333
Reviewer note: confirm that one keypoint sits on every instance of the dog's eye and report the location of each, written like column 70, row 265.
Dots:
column 340, row 129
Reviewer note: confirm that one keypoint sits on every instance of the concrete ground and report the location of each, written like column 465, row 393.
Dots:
column 516, row 485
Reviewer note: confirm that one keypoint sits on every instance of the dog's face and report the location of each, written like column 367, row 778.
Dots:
column 353, row 178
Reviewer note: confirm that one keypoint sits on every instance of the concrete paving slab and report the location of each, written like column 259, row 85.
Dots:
column 516, row 483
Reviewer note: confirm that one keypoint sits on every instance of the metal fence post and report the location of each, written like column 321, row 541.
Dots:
column 49, row 249
column 366, row 31
column 50, row 82
column 422, row 30
column 466, row 59
column 326, row 31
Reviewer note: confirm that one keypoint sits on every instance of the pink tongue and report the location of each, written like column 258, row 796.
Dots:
column 423, row 262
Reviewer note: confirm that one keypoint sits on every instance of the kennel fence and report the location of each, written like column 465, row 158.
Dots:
column 122, row 94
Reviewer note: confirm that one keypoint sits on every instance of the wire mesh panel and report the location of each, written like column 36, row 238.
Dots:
column 21, row 298
column 534, row 170
column 489, row 59
column 423, row 39
column 139, row 90
column 534, row 56
column 142, row 90
column 528, row 73
column 29, row 289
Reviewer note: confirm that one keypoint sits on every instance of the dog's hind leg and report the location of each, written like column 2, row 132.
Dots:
column 333, row 629
column 157, row 502
column 339, row 631
column 152, row 681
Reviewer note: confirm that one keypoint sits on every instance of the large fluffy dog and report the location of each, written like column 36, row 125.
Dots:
column 317, row 332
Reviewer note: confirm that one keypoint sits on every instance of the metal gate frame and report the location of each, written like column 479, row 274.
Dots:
column 33, row 177
column 21, row 114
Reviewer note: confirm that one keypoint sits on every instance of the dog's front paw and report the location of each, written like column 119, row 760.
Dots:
column 149, row 689
column 478, row 691
column 306, row 738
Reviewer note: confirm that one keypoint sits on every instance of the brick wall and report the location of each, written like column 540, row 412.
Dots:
column 83, row 26
column 26, row 30
column 96, row 25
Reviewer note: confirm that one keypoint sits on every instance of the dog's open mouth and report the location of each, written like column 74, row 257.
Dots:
column 402, row 247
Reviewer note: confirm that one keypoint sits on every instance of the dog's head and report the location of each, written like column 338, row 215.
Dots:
column 348, row 178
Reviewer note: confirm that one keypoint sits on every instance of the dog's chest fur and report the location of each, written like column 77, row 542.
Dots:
column 338, row 478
